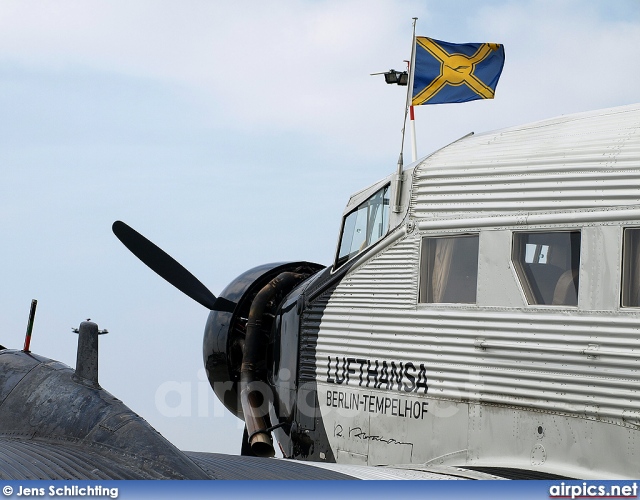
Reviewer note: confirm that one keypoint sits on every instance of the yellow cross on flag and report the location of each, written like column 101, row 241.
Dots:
column 447, row 72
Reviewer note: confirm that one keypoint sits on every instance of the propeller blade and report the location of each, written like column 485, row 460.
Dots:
column 164, row 265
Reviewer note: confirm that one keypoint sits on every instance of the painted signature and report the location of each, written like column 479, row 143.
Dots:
column 358, row 433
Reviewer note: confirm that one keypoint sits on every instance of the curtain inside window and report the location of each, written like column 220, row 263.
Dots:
column 441, row 267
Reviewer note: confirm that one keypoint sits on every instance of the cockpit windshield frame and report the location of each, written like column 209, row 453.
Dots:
column 363, row 226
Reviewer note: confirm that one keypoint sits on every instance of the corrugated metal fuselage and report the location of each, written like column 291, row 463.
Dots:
column 500, row 382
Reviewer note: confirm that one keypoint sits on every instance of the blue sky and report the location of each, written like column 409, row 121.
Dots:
column 233, row 134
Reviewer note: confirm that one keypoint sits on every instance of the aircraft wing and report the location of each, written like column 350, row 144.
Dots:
column 221, row 466
column 28, row 459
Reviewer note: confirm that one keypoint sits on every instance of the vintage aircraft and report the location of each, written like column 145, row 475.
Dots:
column 480, row 319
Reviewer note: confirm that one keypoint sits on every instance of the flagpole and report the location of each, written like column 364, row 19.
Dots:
column 398, row 178
column 414, row 147
column 412, row 68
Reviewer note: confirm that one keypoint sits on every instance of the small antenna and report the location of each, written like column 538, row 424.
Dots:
column 32, row 317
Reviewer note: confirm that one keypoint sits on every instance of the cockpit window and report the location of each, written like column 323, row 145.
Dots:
column 362, row 227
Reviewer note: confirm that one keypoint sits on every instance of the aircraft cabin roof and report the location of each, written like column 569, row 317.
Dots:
column 574, row 162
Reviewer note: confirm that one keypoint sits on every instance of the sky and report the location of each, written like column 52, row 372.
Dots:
column 232, row 134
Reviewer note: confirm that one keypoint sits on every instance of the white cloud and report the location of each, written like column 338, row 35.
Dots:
column 304, row 66
column 285, row 65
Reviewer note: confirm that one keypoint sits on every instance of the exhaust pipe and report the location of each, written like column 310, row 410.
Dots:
column 253, row 399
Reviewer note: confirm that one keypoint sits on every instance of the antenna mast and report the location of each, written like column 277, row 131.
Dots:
column 32, row 317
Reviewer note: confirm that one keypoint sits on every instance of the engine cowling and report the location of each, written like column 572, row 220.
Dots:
column 236, row 337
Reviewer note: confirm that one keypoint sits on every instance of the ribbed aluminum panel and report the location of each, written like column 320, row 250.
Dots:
column 580, row 161
column 253, row 468
column 387, row 280
column 309, row 337
column 220, row 466
column 495, row 357
column 29, row 459
column 412, row 473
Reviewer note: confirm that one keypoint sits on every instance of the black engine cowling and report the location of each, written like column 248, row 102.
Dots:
column 226, row 345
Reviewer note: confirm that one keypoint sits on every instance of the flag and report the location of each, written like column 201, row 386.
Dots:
column 450, row 72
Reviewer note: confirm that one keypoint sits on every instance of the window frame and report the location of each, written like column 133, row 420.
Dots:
column 425, row 273
column 521, row 274
column 384, row 189
column 625, row 266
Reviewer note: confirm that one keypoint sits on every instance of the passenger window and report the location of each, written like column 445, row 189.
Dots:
column 631, row 268
column 449, row 269
column 548, row 266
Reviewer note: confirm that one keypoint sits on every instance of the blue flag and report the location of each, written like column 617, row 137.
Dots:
column 450, row 72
